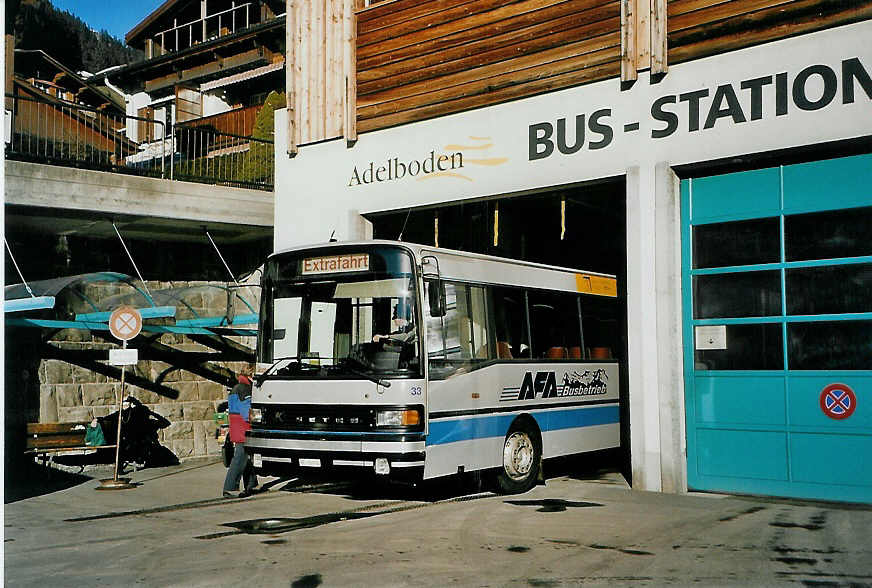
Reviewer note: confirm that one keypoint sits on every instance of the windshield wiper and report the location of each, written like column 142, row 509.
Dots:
column 344, row 363
column 295, row 365
column 258, row 380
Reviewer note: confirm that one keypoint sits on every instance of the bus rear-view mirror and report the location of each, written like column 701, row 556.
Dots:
column 436, row 298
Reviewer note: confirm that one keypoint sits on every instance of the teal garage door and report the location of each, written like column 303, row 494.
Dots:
column 777, row 303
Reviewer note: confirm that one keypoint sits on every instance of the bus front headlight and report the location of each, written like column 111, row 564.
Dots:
column 255, row 416
column 397, row 418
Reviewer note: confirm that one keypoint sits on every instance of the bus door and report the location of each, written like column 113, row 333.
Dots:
column 458, row 345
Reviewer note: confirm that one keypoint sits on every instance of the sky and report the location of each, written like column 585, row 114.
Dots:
column 116, row 17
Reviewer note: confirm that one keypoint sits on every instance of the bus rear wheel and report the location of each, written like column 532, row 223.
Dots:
column 522, row 457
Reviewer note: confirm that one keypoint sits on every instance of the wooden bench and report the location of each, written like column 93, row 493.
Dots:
column 46, row 440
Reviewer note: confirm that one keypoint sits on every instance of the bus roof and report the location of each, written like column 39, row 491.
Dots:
column 489, row 269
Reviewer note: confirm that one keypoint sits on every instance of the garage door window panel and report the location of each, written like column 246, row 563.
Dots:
column 739, row 294
column 748, row 347
column 835, row 289
column 736, row 243
column 830, row 345
column 828, row 235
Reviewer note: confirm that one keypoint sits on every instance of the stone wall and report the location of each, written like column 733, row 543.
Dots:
column 69, row 393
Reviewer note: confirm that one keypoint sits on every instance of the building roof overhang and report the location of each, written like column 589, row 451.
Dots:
column 90, row 92
column 139, row 30
column 132, row 77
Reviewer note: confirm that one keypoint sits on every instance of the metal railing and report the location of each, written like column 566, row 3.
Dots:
column 204, row 154
column 62, row 133
column 202, row 29
column 55, row 132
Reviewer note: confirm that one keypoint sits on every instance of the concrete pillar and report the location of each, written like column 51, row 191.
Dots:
column 657, row 445
column 673, row 452
column 642, row 329
column 359, row 228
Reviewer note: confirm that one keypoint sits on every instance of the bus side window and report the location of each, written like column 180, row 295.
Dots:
column 510, row 323
column 476, row 327
column 554, row 323
column 459, row 339
column 601, row 326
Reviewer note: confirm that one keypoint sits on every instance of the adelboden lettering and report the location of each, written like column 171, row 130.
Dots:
column 394, row 169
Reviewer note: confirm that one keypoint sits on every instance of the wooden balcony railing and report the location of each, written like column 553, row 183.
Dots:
column 239, row 121
column 212, row 26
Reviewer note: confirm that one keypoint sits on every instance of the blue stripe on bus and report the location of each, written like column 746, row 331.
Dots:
column 451, row 431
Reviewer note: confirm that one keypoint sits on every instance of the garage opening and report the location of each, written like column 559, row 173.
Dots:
column 581, row 227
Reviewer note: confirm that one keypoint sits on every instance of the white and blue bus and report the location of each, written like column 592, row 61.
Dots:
column 413, row 362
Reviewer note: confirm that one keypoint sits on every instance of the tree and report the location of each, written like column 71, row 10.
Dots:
column 259, row 162
column 264, row 122
column 39, row 25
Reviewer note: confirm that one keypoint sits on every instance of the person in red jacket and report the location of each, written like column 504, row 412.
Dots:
column 239, row 403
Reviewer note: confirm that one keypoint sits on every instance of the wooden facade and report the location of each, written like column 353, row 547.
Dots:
column 421, row 59
column 697, row 28
column 643, row 37
column 410, row 60
column 320, row 85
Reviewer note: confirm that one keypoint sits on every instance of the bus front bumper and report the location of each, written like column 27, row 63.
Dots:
column 279, row 453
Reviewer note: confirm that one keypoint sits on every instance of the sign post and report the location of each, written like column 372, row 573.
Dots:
column 125, row 323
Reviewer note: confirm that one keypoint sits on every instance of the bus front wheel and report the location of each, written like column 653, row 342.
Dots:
column 522, row 457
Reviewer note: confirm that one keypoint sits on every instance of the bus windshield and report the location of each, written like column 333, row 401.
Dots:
column 324, row 320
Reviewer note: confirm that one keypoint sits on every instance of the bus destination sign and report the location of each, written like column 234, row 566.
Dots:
column 333, row 264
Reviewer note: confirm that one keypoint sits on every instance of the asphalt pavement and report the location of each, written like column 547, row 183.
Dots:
column 584, row 526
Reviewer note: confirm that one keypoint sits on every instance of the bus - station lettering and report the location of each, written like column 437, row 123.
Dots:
column 813, row 88
column 726, row 102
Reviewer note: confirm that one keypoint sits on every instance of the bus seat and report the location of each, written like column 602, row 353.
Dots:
column 386, row 360
column 601, row 353
column 575, row 352
column 504, row 350
column 556, row 353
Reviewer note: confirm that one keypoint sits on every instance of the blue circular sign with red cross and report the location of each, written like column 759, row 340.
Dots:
column 838, row 401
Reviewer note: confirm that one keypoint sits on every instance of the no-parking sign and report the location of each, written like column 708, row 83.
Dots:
column 838, row 401
column 125, row 323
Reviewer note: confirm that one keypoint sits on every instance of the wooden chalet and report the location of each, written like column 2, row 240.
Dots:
column 208, row 62
column 59, row 114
